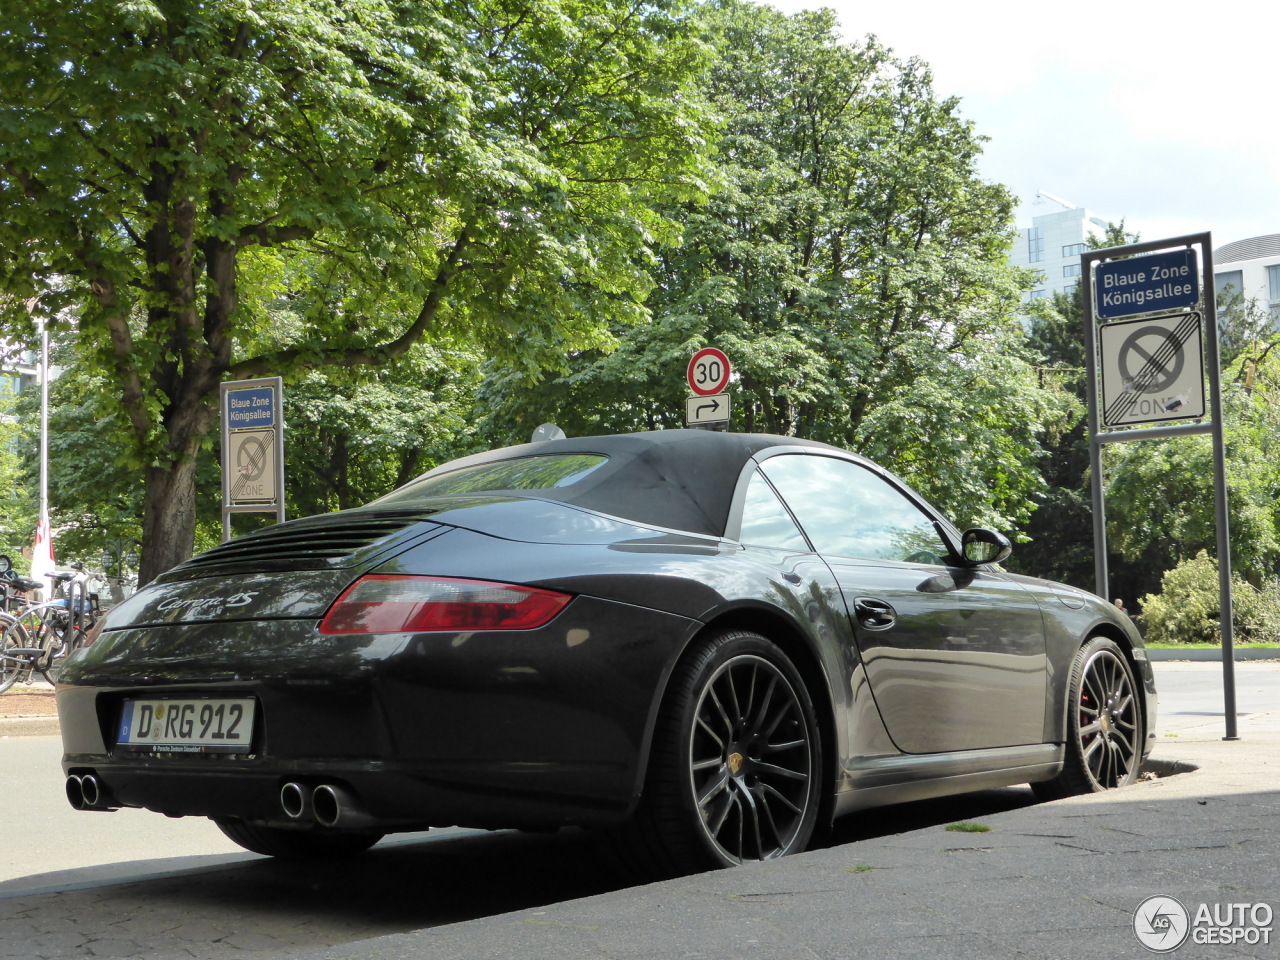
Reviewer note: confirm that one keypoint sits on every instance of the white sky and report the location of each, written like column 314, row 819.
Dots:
column 1160, row 113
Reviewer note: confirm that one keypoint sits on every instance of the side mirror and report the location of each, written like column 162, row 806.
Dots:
column 5, row 563
column 985, row 546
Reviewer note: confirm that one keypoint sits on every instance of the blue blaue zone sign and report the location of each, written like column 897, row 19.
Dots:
column 1160, row 282
column 253, row 408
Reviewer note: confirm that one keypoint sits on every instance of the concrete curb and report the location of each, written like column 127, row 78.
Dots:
column 1202, row 654
column 28, row 726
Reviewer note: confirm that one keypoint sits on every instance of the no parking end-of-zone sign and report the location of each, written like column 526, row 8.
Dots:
column 1152, row 370
column 252, row 445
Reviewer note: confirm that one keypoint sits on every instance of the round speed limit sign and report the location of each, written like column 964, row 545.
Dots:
column 708, row 372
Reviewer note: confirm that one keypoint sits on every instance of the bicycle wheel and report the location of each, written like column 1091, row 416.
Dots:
column 12, row 636
column 41, row 630
column 62, row 650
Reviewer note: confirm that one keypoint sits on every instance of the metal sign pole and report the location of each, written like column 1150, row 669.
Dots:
column 1227, row 615
column 1101, row 579
column 1097, row 437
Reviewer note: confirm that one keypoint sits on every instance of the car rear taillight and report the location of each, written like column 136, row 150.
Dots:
column 383, row 603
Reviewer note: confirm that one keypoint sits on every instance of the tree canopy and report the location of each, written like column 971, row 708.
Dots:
column 853, row 265
column 230, row 189
column 446, row 223
column 1160, row 493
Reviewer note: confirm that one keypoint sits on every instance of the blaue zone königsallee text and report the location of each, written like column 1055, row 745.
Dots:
column 250, row 408
column 1163, row 281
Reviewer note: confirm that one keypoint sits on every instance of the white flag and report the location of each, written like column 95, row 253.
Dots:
column 42, row 554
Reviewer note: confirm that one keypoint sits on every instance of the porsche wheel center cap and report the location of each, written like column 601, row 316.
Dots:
column 735, row 763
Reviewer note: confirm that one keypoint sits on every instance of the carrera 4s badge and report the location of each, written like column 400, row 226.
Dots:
column 203, row 608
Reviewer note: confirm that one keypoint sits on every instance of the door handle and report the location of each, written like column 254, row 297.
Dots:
column 874, row 614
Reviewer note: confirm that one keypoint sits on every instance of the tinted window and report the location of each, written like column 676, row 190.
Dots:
column 525, row 473
column 849, row 511
column 765, row 521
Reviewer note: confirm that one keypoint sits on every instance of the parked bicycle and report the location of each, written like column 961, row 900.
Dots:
column 36, row 635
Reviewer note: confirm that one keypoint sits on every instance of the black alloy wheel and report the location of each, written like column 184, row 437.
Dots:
column 1104, row 724
column 751, row 759
column 736, row 772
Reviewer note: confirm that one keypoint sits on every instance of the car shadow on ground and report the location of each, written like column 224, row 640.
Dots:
column 903, row 817
column 400, row 885
column 408, row 885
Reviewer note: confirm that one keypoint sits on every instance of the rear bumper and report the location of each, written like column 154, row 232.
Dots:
column 518, row 728
column 396, row 796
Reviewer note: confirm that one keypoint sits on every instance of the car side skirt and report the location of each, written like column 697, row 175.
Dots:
column 877, row 781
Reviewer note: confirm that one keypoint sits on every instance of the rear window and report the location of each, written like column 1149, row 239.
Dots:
column 545, row 472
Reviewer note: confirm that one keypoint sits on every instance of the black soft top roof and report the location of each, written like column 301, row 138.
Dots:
column 679, row 479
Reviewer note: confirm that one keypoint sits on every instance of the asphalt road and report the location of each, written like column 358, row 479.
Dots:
column 135, row 884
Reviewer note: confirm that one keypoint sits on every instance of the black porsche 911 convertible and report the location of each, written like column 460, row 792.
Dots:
column 707, row 645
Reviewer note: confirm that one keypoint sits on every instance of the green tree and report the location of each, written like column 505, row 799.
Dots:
column 852, row 263
column 1188, row 609
column 1244, row 325
column 1058, row 535
column 18, row 506
column 477, row 171
column 1160, row 493
column 351, row 439
column 94, row 496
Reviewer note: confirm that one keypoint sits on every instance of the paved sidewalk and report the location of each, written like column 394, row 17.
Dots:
column 1058, row 880
column 28, row 710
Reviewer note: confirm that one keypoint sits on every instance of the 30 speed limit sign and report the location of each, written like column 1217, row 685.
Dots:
column 708, row 372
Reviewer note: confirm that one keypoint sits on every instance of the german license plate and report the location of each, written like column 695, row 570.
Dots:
column 188, row 726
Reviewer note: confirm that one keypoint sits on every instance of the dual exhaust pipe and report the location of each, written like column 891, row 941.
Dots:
column 86, row 792
column 327, row 805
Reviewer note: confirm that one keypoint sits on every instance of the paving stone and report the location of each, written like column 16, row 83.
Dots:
column 116, row 948
column 256, row 942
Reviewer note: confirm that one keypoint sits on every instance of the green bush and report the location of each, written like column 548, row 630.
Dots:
column 1186, row 610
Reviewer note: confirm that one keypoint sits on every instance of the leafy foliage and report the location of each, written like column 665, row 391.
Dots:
column 1058, row 536
column 1160, row 493
column 388, row 170
column 1245, row 326
column 352, row 439
column 95, row 497
column 1188, row 609
column 852, row 264
column 18, row 503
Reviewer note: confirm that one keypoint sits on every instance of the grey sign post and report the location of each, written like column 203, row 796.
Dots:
column 1150, row 369
column 252, row 448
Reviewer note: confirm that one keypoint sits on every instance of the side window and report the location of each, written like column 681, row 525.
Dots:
column 848, row 511
column 765, row 521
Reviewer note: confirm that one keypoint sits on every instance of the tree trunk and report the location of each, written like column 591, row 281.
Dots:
column 169, row 490
column 168, row 517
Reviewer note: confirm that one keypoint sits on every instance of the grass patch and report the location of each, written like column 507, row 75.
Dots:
column 965, row 827
column 860, row 868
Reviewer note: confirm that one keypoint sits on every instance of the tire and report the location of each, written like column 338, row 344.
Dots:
column 1104, row 724
column 735, row 773
column 286, row 844
column 12, row 636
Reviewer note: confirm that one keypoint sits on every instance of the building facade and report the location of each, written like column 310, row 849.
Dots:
column 1251, row 268
column 1052, row 244
column 20, row 371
